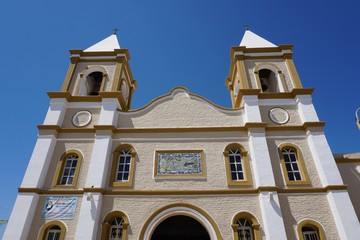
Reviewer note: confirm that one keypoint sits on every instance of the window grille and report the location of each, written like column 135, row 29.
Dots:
column 291, row 164
column 236, row 166
column 244, row 230
column 123, row 167
column 116, row 229
column 68, row 174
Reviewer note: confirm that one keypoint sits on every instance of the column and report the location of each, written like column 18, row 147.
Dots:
column 89, row 216
column 346, row 221
column 306, row 108
column 273, row 223
column 26, row 203
column 21, row 216
column 56, row 111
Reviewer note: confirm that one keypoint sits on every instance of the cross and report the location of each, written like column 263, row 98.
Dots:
column 246, row 27
column 115, row 30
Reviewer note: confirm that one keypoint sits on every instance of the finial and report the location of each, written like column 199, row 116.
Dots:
column 246, row 27
column 115, row 30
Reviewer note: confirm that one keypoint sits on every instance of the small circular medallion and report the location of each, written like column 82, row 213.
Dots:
column 279, row 115
column 81, row 118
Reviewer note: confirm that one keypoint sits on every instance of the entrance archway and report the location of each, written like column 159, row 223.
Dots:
column 175, row 210
column 179, row 228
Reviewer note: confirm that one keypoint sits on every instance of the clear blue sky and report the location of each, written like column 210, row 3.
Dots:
column 172, row 43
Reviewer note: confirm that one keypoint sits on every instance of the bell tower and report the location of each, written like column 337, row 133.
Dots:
column 259, row 66
column 264, row 84
column 100, row 71
column 97, row 85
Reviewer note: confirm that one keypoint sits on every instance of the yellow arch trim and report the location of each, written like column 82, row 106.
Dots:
column 305, row 177
column 173, row 205
column 60, row 168
column 254, row 224
column 246, row 166
column 114, row 164
column 313, row 224
column 46, row 226
column 263, row 65
column 86, row 72
column 107, row 223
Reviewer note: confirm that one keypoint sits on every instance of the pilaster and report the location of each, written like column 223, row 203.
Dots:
column 343, row 211
column 21, row 217
column 272, row 217
column 264, row 177
column 260, row 158
column 306, row 108
column 39, row 162
column 251, row 108
column 56, row 111
column 346, row 221
column 97, row 173
column 89, row 216
column 108, row 115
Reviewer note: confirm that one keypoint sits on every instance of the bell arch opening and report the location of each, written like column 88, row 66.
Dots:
column 180, row 227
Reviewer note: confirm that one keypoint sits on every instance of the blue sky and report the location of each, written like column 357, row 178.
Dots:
column 171, row 43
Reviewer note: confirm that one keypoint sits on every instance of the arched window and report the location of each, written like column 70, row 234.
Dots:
column 94, row 83
column 244, row 230
column 67, row 170
column 54, row 230
column 53, row 233
column 245, row 227
column 116, row 229
column 268, row 81
column 310, row 230
column 123, row 166
column 292, row 164
column 237, row 165
column 114, row 226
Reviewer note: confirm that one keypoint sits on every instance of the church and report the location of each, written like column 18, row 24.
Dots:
column 182, row 167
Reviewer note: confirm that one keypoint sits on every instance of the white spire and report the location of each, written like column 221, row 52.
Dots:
column 107, row 45
column 251, row 40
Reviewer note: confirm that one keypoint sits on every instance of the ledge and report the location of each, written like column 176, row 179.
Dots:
column 244, row 128
column 184, row 192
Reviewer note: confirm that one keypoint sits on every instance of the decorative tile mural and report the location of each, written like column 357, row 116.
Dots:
column 179, row 163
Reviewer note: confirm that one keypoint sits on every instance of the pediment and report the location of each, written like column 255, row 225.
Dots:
column 178, row 109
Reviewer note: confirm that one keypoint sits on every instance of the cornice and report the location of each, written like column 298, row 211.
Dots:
column 246, row 127
column 231, row 191
column 84, row 56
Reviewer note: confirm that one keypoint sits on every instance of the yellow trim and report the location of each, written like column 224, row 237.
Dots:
column 174, row 205
column 114, row 165
column 60, row 169
column 106, row 224
column 44, row 228
column 184, row 192
column 255, row 226
column 312, row 224
column 261, row 66
column 69, row 75
column 293, row 73
column 117, row 75
column 88, row 71
column 301, row 165
column 245, row 165
column 344, row 159
column 43, row 129
column 202, row 174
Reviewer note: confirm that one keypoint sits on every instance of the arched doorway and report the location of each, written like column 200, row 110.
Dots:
column 180, row 227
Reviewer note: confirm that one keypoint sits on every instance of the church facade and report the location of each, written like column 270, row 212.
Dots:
column 181, row 166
